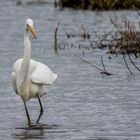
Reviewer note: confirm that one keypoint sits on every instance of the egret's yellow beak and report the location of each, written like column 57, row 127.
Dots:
column 32, row 30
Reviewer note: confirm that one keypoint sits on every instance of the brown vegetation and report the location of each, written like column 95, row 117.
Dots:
column 100, row 4
column 126, row 38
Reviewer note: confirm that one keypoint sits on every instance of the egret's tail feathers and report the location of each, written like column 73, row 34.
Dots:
column 54, row 77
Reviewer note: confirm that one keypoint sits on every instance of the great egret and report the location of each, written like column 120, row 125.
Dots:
column 29, row 76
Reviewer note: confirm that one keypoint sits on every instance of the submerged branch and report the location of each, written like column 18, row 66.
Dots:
column 101, row 70
column 133, row 62
column 127, row 64
column 55, row 39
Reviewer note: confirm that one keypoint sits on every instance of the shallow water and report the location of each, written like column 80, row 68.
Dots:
column 82, row 104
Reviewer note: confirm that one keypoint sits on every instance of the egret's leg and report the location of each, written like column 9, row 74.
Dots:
column 41, row 110
column 28, row 117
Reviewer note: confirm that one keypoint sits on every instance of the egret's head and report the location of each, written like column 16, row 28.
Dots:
column 30, row 27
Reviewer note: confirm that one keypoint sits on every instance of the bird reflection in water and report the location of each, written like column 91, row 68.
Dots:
column 34, row 132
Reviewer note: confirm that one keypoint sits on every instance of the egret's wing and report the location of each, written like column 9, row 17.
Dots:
column 17, row 65
column 43, row 74
column 13, row 78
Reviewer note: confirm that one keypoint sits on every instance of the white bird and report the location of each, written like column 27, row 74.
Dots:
column 29, row 76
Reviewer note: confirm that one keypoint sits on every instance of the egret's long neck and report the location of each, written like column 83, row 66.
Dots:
column 24, row 70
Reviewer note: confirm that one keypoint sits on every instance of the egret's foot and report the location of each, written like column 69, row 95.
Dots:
column 39, row 126
column 31, row 125
column 28, row 127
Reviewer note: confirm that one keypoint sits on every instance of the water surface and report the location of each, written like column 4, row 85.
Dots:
column 82, row 104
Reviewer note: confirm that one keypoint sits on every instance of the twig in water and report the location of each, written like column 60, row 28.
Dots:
column 127, row 64
column 103, row 39
column 101, row 70
column 55, row 39
column 104, row 72
column 103, row 64
column 133, row 62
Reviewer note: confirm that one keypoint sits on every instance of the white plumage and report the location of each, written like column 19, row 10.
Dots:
column 39, row 75
column 29, row 76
